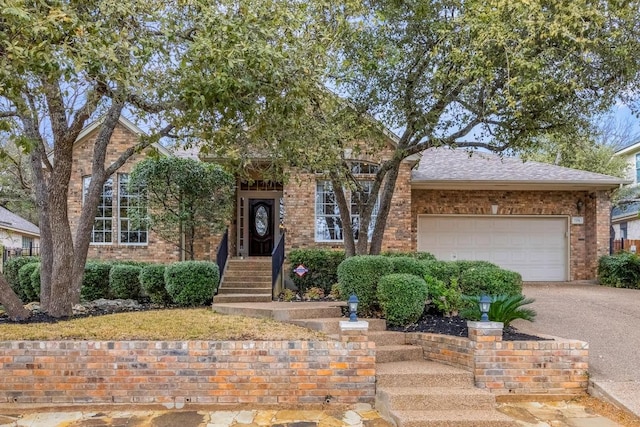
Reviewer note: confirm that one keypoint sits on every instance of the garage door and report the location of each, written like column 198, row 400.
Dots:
column 534, row 247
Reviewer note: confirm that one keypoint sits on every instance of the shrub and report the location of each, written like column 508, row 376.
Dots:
column 313, row 294
column 359, row 275
column 35, row 282
column 402, row 298
column 124, row 281
column 504, row 308
column 445, row 297
column 409, row 265
column 24, row 279
column 335, row 293
column 490, row 281
column 442, row 270
column 152, row 283
column 288, row 295
column 322, row 265
column 620, row 270
column 421, row 256
column 11, row 268
column 95, row 283
column 191, row 283
column 464, row 265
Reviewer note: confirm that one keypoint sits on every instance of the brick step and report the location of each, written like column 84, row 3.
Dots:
column 382, row 338
column 227, row 298
column 458, row 418
column 398, row 353
column 434, row 398
column 421, row 374
column 225, row 290
column 245, row 283
column 331, row 325
column 244, row 274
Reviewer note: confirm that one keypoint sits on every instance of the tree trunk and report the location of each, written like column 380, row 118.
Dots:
column 345, row 217
column 385, row 206
column 11, row 303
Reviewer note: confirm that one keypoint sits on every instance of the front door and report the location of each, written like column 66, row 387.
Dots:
column 260, row 227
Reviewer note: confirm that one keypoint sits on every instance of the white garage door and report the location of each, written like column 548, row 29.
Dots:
column 534, row 247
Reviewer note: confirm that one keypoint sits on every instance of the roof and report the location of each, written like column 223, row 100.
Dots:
column 447, row 168
column 626, row 211
column 13, row 222
column 629, row 148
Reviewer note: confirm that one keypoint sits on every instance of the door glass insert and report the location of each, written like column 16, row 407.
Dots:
column 262, row 221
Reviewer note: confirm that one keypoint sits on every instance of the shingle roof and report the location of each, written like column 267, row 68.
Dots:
column 11, row 221
column 450, row 168
column 626, row 210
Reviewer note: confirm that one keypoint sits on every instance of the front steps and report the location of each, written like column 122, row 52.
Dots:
column 246, row 280
column 413, row 392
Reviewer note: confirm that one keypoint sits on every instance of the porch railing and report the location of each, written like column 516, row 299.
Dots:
column 18, row 252
column 223, row 253
column 277, row 260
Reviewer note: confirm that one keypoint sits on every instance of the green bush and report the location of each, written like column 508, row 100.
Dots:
column 124, row 281
column 409, row 265
column 445, row 297
column 442, row 270
column 620, row 270
column 421, row 256
column 322, row 265
column 152, row 283
column 11, row 268
column 464, row 265
column 191, row 283
column 402, row 298
column 504, row 308
column 95, row 283
column 490, row 281
column 359, row 275
column 24, row 278
column 35, row 282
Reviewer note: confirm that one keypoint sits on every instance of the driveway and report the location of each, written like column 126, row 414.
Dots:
column 607, row 318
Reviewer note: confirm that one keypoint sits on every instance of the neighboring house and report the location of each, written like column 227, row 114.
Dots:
column 17, row 235
column 625, row 219
column 547, row 222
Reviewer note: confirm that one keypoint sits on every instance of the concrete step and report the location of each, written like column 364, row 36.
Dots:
column 421, row 373
column 434, row 398
column 382, row 338
column 245, row 284
column 398, row 353
column 223, row 298
column 225, row 290
column 459, row 418
column 331, row 325
column 247, row 275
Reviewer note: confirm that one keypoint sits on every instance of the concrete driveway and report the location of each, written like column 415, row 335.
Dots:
column 607, row 318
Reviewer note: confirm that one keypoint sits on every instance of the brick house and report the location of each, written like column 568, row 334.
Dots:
column 547, row 222
column 624, row 219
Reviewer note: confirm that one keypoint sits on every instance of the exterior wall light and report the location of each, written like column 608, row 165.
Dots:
column 353, row 308
column 485, row 304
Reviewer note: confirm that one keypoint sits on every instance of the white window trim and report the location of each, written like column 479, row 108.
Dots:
column 91, row 243
column 119, row 220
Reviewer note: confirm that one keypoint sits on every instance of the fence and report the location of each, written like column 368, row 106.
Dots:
column 16, row 252
column 625, row 245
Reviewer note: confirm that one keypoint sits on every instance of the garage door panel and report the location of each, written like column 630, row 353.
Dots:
column 534, row 247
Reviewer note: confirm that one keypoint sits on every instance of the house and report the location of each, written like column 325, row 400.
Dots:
column 625, row 221
column 17, row 235
column 547, row 222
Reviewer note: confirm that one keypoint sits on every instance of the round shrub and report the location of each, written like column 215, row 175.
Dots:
column 402, row 298
column 464, row 265
column 620, row 270
column 409, row 265
column 421, row 256
column 442, row 270
column 359, row 275
column 11, row 268
column 490, row 281
column 95, row 283
column 124, row 281
column 35, row 282
column 152, row 282
column 191, row 283
column 24, row 278
column 322, row 265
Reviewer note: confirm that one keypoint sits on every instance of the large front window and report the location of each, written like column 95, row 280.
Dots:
column 102, row 225
column 128, row 204
column 638, row 168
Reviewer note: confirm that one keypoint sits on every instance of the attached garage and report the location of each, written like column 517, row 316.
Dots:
column 535, row 247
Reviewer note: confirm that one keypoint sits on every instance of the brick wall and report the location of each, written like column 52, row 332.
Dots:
column 556, row 366
column 178, row 372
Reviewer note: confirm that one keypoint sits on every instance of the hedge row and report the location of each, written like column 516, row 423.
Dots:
column 621, row 270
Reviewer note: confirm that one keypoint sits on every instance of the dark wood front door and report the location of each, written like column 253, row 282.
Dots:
column 260, row 227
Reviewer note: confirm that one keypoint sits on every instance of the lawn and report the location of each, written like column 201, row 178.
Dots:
column 174, row 324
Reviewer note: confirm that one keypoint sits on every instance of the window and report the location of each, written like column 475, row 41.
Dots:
column 27, row 242
column 127, row 203
column 638, row 168
column 328, row 222
column 102, row 226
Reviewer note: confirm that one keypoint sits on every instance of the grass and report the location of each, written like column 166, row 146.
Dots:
column 165, row 325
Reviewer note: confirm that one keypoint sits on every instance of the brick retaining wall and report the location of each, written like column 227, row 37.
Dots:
column 177, row 372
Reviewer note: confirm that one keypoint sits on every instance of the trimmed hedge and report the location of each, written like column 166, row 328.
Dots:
column 95, row 284
column 490, row 281
column 152, row 283
column 620, row 270
column 11, row 268
column 421, row 256
column 191, row 283
column 402, row 298
column 322, row 265
column 443, row 270
column 409, row 265
column 359, row 275
column 35, row 282
column 24, row 279
column 124, row 281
